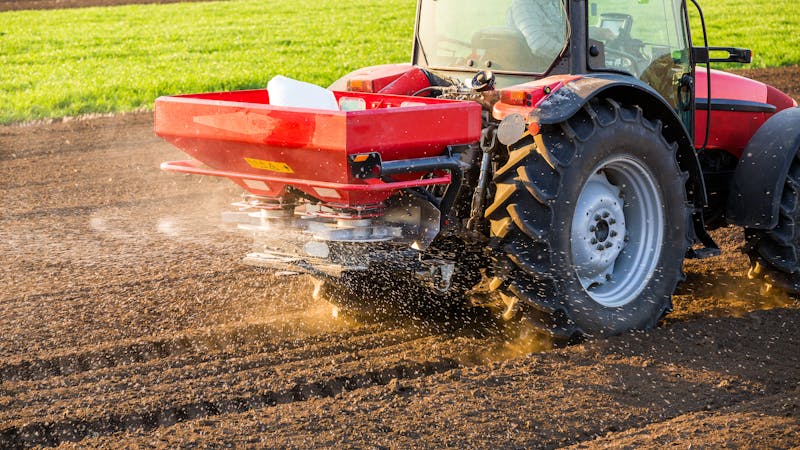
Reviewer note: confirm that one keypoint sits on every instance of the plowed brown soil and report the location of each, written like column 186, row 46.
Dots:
column 126, row 320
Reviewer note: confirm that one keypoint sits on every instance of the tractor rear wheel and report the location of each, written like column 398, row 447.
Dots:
column 591, row 223
column 775, row 253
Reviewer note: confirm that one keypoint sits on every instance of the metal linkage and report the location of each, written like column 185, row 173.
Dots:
column 488, row 143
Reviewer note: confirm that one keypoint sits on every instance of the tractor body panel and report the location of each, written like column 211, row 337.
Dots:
column 739, row 107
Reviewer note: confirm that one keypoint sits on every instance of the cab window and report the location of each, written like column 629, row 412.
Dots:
column 644, row 38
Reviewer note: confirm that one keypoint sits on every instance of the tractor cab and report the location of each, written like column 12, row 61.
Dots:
column 520, row 40
column 510, row 37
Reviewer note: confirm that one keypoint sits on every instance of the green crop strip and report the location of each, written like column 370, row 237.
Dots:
column 68, row 62
column 771, row 28
column 97, row 60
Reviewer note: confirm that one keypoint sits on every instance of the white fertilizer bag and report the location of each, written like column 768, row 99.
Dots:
column 298, row 94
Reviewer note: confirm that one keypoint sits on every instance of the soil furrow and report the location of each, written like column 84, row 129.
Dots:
column 53, row 430
column 181, row 367
column 118, row 288
column 771, row 421
column 77, row 136
column 86, row 210
column 217, row 378
column 564, row 397
column 144, row 311
column 282, row 333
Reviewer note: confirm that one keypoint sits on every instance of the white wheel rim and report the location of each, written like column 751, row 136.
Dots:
column 617, row 231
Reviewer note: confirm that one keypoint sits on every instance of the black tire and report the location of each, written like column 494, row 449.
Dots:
column 535, row 205
column 775, row 254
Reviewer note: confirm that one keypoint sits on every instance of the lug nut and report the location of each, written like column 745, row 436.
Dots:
column 609, row 244
column 605, row 215
column 594, row 241
column 613, row 233
column 592, row 228
column 601, row 247
column 612, row 221
column 608, row 277
column 597, row 217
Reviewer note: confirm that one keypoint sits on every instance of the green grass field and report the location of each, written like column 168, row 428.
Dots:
column 68, row 62
column 771, row 28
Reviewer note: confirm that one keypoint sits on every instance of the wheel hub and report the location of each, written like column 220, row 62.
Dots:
column 598, row 232
column 602, row 230
column 617, row 231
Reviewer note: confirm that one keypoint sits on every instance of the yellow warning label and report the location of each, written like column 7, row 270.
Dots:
column 272, row 166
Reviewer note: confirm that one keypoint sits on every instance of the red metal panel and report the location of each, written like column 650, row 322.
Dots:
column 729, row 86
column 241, row 133
column 730, row 130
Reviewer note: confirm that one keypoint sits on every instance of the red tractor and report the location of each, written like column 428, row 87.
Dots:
column 558, row 157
